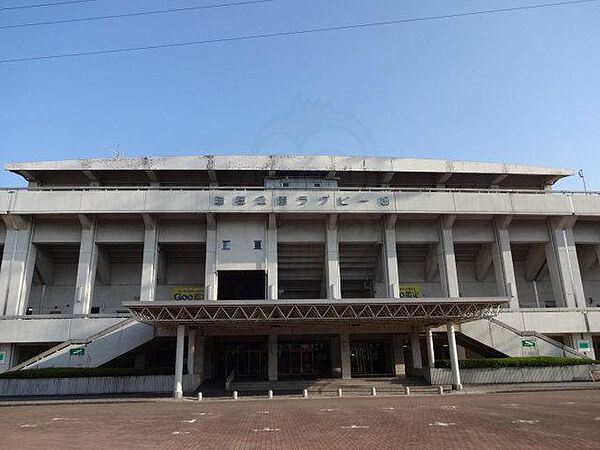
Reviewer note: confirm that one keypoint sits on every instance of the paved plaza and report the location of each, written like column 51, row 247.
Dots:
column 548, row 420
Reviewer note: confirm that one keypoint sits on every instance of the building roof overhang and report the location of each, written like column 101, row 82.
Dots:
column 422, row 312
column 150, row 168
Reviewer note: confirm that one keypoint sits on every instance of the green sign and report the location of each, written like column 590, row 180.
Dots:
column 2, row 358
column 583, row 345
column 79, row 351
column 527, row 343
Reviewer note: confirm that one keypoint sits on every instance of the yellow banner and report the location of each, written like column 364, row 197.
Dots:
column 187, row 293
column 410, row 291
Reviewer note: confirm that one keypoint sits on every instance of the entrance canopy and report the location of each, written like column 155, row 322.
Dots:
column 428, row 312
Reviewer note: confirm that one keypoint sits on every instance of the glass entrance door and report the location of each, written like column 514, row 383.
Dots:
column 304, row 359
column 368, row 358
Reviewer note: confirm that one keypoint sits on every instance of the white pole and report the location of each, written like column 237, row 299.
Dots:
column 454, row 358
column 430, row 349
column 191, row 351
column 178, row 391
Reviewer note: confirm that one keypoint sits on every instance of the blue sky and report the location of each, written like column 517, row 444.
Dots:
column 520, row 87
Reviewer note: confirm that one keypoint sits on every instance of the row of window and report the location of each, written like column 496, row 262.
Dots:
column 226, row 244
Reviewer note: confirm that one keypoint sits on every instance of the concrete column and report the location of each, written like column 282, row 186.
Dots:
column 199, row 356
column 503, row 262
column 447, row 261
column 456, row 384
column 430, row 349
column 415, row 349
column 18, row 264
column 336, row 362
column 333, row 277
column 563, row 264
column 345, row 356
column 272, row 288
column 399, row 365
column 391, row 257
column 178, row 389
column 87, row 267
column 210, row 274
column 272, row 358
column 150, row 261
column 191, row 352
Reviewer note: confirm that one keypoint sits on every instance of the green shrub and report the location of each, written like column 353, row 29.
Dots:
column 526, row 361
column 74, row 372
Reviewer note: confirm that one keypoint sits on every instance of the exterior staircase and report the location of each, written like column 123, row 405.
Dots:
column 507, row 340
column 98, row 349
column 329, row 387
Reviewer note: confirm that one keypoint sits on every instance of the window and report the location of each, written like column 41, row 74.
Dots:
column 226, row 245
column 258, row 245
column 317, row 185
column 285, row 184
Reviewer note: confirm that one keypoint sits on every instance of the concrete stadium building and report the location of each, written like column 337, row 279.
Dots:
column 284, row 267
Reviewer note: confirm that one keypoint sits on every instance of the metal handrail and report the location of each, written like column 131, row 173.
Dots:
column 229, row 380
column 543, row 337
column 70, row 342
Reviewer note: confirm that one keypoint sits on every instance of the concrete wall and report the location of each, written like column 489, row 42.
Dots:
column 155, row 384
column 511, row 375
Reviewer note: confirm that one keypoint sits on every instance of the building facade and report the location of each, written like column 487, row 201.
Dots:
column 274, row 267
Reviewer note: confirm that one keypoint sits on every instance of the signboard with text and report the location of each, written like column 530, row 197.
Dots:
column 187, row 293
column 78, row 351
column 410, row 290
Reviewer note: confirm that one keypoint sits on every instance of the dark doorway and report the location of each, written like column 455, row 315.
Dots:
column 304, row 359
column 247, row 359
column 368, row 358
column 242, row 285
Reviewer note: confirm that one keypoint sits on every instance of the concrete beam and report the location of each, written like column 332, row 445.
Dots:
column 588, row 256
column 272, row 263
column 431, row 262
column 91, row 176
column 44, row 266
column 103, row 266
column 443, row 178
column 15, row 222
column 497, row 179
column 484, row 262
column 149, row 221
column 536, row 259
column 152, row 176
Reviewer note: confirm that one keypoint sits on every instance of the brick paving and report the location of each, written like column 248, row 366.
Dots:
column 535, row 420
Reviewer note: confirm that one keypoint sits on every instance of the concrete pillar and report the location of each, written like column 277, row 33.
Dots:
column 150, row 260
column 503, row 262
column 272, row 358
column 430, row 349
column 210, row 274
column 178, row 388
column 191, row 352
column 563, row 264
column 332, row 271
column 415, row 349
column 391, row 257
column 199, row 356
column 456, row 383
column 272, row 288
column 345, row 356
column 18, row 264
column 87, row 267
column 447, row 261
column 399, row 365
column 336, row 362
